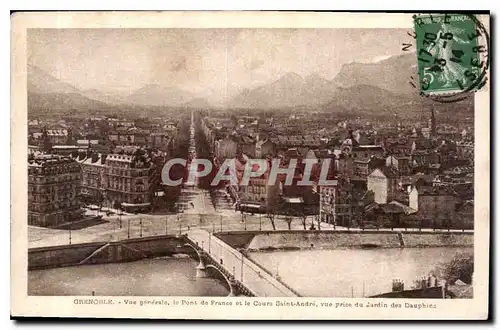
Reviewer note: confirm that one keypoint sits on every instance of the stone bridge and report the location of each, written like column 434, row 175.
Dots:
column 243, row 276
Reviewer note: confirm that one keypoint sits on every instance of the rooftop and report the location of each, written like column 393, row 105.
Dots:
column 42, row 160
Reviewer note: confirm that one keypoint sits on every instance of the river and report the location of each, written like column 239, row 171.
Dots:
column 315, row 273
column 150, row 277
column 352, row 272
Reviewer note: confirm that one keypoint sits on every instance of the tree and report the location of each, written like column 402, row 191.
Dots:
column 271, row 215
column 117, row 205
column 460, row 267
column 288, row 220
column 303, row 219
column 318, row 219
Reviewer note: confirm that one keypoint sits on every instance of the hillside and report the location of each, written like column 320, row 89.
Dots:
column 393, row 74
column 156, row 95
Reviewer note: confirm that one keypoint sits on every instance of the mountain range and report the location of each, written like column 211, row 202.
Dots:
column 370, row 83
column 380, row 87
column 46, row 92
column 393, row 74
column 383, row 87
column 288, row 91
column 97, row 95
column 156, row 95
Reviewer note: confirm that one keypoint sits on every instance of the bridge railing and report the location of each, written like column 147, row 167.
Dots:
column 243, row 269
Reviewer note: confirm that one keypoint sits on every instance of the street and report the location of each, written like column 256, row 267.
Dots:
column 138, row 225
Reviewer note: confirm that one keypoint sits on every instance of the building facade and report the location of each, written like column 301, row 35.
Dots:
column 364, row 166
column 225, row 148
column 384, row 184
column 53, row 190
column 465, row 150
column 437, row 207
column 259, row 193
column 94, row 176
column 264, row 148
column 118, row 180
column 129, row 181
column 336, row 204
column 400, row 163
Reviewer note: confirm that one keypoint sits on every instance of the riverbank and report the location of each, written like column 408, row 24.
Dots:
column 297, row 240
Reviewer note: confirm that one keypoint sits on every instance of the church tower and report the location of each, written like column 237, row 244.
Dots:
column 432, row 122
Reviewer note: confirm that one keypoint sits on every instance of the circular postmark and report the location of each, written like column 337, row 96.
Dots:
column 451, row 54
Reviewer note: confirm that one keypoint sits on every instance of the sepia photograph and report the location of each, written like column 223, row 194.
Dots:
column 250, row 162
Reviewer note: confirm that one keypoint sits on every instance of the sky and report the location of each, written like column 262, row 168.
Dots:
column 215, row 64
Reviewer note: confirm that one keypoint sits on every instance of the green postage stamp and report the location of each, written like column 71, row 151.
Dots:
column 451, row 58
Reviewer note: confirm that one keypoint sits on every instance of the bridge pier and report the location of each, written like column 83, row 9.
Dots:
column 201, row 269
column 232, row 287
column 209, row 266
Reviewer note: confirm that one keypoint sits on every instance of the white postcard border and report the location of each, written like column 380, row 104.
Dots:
column 23, row 305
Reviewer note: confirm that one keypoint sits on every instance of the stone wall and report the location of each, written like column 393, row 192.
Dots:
column 438, row 239
column 323, row 240
column 254, row 240
column 61, row 255
column 103, row 252
column 239, row 240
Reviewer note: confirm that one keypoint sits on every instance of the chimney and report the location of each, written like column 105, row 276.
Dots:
column 81, row 155
column 397, row 285
column 103, row 158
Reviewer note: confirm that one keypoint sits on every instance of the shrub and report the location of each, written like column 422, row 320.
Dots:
column 460, row 267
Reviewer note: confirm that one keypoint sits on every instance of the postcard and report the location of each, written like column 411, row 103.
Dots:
column 250, row 165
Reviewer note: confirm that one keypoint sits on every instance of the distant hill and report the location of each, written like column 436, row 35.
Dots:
column 47, row 93
column 373, row 101
column 198, row 103
column 97, row 95
column 63, row 101
column 393, row 74
column 156, row 95
column 380, row 88
column 41, row 82
column 288, row 91
column 368, row 99
column 291, row 90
